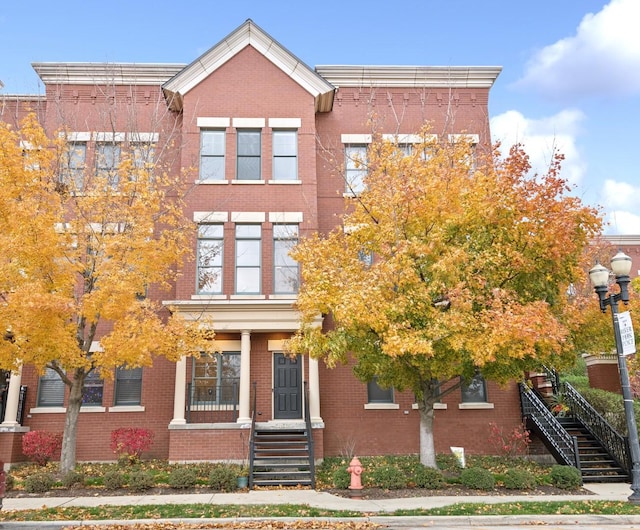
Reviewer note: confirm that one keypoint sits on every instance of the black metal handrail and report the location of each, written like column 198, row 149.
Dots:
column 22, row 399
column 252, row 435
column 215, row 403
column 554, row 378
column 564, row 445
column 307, row 419
column 614, row 443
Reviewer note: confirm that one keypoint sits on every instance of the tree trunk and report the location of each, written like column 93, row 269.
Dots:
column 427, row 447
column 68, row 454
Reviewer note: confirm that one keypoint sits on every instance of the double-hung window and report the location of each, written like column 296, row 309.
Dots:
column 50, row 389
column 216, row 379
column 107, row 162
column 355, row 168
column 475, row 391
column 248, row 258
column 128, row 387
column 377, row 394
column 249, row 148
column 73, row 165
column 93, row 389
column 210, row 247
column 285, row 155
column 212, row 155
column 286, row 270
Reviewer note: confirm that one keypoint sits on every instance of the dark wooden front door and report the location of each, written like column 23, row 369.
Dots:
column 287, row 387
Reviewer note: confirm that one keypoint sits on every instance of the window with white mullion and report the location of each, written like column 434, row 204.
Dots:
column 248, row 258
column 212, row 155
column 355, row 167
column 210, row 254
column 285, row 268
column 249, row 154
column 285, row 155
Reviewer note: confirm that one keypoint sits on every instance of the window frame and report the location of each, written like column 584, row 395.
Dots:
column 220, row 157
column 240, row 241
column 93, row 381
column 242, row 156
column 107, row 166
column 218, row 258
column 119, row 381
column 467, row 392
column 220, row 401
column 286, row 235
column 50, row 377
column 355, row 167
column 278, row 157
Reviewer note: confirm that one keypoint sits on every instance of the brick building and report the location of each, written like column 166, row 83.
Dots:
column 265, row 133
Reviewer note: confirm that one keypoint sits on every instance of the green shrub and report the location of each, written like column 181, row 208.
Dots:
column 141, row 481
column 579, row 382
column 73, row 478
column 428, row 478
column 9, row 482
column 519, row 479
column 341, row 478
column 223, row 478
column 477, row 478
column 39, row 483
column 182, row 478
column 388, row 477
column 113, row 480
column 565, row 477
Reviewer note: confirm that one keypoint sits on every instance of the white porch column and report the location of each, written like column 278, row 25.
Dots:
column 245, row 377
column 13, row 399
column 179, row 393
column 314, row 391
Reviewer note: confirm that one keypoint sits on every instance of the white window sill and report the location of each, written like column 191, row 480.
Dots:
column 351, row 194
column 285, row 182
column 247, row 297
column 292, row 296
column 92, row 408
column 222, row 181
column 436, row 406
column 475, row 406
column 381, row 406
column 248, row 181
column 48, row 410
column 208, row 297
column 126, row 408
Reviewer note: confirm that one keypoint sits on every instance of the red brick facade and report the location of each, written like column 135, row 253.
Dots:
column 250, row 81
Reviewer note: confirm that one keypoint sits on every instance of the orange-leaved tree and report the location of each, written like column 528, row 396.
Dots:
column 80, row 250
column 445, row 266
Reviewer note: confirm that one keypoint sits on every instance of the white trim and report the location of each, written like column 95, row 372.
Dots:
column 210, row 217
column 436, row 406
column 249, row 123
column 126, row 408
column 355, row 138
column 285, row 123
column 209, row 297
column 247, row 297
column 143, row 137
column 204, row 122
column 109, row 136
column 75, row 136
column 48, row 410
column 381, row 406
column 227, row 345
column 285, row 217
column 248, row 181
column 248, row 217
column 287, row 182
column 92, row 408
column 410, row 138
column 95, row 346
column 275, row 345
column 207, row 182
column 472, row 138
column 472, row 406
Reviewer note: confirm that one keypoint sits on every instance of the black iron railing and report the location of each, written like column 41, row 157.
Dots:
column 554, row 379
column 252, row 442
column 213, row 404
column 613, row 442
column 22, row 399
column 307, row 418
column 560, row 442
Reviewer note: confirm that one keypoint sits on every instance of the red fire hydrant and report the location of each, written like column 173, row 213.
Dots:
column 355, row 470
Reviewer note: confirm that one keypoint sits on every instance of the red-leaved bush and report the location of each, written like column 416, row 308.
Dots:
column 513, row 443
column 130, row 442
column 42, row 446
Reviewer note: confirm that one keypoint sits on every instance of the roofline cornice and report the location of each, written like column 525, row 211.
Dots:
column 410, row 76
column 106, row 73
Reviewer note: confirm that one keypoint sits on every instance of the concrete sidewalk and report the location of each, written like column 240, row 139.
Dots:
column 316, row 499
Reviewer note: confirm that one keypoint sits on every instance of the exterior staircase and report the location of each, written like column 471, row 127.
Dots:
column 596, row 464
column 281, row 457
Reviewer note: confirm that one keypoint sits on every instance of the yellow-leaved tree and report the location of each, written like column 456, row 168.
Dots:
column 445, row 266
column 79, row 252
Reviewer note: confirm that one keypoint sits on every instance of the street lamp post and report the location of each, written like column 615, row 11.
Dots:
column 621, row 266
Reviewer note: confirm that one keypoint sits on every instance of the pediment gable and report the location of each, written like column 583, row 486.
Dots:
column 249, row 34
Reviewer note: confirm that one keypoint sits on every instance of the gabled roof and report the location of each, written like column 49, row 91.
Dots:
column 249, row 34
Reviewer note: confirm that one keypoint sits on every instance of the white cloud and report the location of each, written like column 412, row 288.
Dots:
column 619, row 200
column 602, row 58
column 541, row 136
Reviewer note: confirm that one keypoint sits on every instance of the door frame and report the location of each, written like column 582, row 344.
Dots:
column 273, row 387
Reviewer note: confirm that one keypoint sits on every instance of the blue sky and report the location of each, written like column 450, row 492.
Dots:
column 571, row 68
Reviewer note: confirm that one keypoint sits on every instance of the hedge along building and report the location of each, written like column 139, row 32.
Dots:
column 266, row 135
